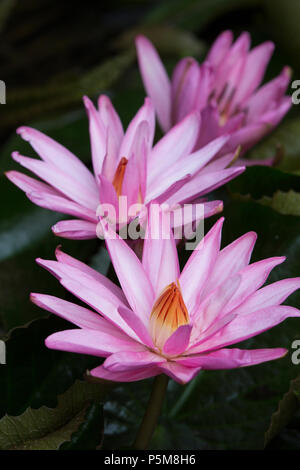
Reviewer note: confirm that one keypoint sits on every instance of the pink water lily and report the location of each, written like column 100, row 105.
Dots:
column 163, row 321
column 225, row 88
column 124, row 164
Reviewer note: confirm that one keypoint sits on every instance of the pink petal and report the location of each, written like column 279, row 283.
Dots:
column 216, row 302
column 28, row 184
column 57, row 155
column 273, row 117
column 160, row 259
column 145, row 113
column 230, row 69
column 199, row 266
column 104, row 305
column 246, row 326
column 155, row 79
column 185, row 83
column 134, row 181
column 220, row 163
column 220, row 48
column 203, row 184
column 137, row 325
column 127, row 376
column 232, row 358
column 189, row 165
column 178, row 372
column 98, row 136
column 252, row 278
column 273, row 294
column 210, row 128
column 75, row 229
column 232, row 259
column 127, row 360
column 84, row 268
column 108, row 201
column 176, row 144
column 61, row 181
column 178, row 342
column 271, row 92
column 114, row 132
column 131, row 274
column 92, row 342
column 255, row 67
column 79, row 316
column 61, row 204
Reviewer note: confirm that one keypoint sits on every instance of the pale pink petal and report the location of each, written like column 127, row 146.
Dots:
column 199, row 266
column 189, row 165
column 61, row 204
column 178, row 342
column 131, row 274
column 105, row 306
column 28, row 184
column 128, row 376
column 220, row 48
column 243, row 327
column 176, row 144
column 220, row 163
column 126, row 360
column 108, row 200
column 86, row 277
column 185, row 84
column 252, row 278
column 79, row 316
column 137, row 324
column 203, row 184
column 92, row 342
column 75, row 229
column 114, row 132
column 185, row 219
column 155, row 79
column 205, row 87
column 232, row 358
column 57, row 155
column 84, row 268
column 273, row 294
column 178, row 372
column 215, row 303
column 229, row 70
column 273, row 117
column 231, row 259
column 271, row 92
column 145, row 113
column 210, row 128
column 98, row 136
column 255, row 67
column 134, row 182
column 61, row 181
column 160, row 259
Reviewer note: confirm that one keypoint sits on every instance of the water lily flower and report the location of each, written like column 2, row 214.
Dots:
column 226, row 88
column 163, row 321
column 124, row 164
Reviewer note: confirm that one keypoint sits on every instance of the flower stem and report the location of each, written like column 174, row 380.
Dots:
column 152, row 413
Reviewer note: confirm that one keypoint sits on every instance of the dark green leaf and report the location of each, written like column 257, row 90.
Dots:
column 49, row 428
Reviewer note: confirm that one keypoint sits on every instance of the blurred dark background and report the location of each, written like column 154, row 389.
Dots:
column 52, row 52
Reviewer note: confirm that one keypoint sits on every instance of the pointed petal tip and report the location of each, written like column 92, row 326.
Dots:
column 24, row 132
column 16, row 155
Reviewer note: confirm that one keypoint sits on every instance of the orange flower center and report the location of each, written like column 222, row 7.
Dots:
column 119, row 176
column 168, row 313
